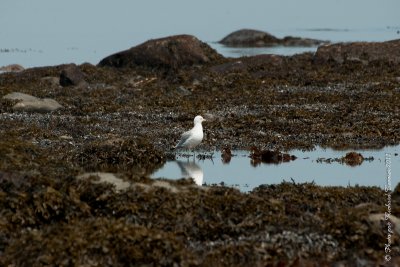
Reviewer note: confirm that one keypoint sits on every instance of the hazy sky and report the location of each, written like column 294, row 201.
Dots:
column 55, row 31
column 208, row 20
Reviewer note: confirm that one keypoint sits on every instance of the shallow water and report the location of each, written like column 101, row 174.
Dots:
column 308, row 167
column 63, row 49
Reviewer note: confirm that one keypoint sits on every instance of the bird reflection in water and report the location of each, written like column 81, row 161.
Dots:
column 189, row 169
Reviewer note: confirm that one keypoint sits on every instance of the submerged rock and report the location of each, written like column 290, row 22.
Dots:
column 255, row 38
column 268, row 156
column 171, row 52
column 363, row 52
column 32, row 104
column 353, row 158
column 226, row 155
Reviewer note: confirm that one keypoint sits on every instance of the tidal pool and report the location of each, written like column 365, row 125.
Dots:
column 380, row 168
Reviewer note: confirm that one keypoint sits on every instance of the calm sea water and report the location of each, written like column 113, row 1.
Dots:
column 240, row 173
column 52, row 32
column 55, row 51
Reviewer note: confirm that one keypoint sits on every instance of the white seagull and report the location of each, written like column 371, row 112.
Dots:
column 192, row 138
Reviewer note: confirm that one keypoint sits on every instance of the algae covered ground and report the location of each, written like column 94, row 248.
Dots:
column 126, row 120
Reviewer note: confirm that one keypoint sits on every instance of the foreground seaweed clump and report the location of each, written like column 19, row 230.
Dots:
column 80, row 223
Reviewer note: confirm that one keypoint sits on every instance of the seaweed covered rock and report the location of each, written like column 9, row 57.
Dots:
column 96, row 242
column 353, row 158
column 116, row 153
column 75, row 221
column 268, row 156
column 362, row 52
column 169, row 52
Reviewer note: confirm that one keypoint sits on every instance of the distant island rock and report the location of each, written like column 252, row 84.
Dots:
column 255, row 38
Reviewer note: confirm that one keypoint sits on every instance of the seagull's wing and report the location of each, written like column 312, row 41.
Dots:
column 184, row 137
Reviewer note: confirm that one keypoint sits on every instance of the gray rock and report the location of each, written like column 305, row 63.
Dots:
column 32, row 104
column 20, row 96
column 106, row 177
column 170, row 52
column 71, row 75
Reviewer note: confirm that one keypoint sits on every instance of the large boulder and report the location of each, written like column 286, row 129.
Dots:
column 169, row 52
column 255, row 38
column 32, row 104
column 363, row 52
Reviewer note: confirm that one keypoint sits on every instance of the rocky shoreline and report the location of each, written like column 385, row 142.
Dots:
column 124, row 116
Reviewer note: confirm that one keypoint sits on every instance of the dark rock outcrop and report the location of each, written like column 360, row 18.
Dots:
column 255, row 38
column 363, row 52
column 169, row 52
column 71, row 75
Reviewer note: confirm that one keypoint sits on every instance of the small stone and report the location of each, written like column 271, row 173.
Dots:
column 183, row 91
column 66, row 137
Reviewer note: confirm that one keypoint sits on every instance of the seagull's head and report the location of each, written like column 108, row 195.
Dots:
column 198, row 119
